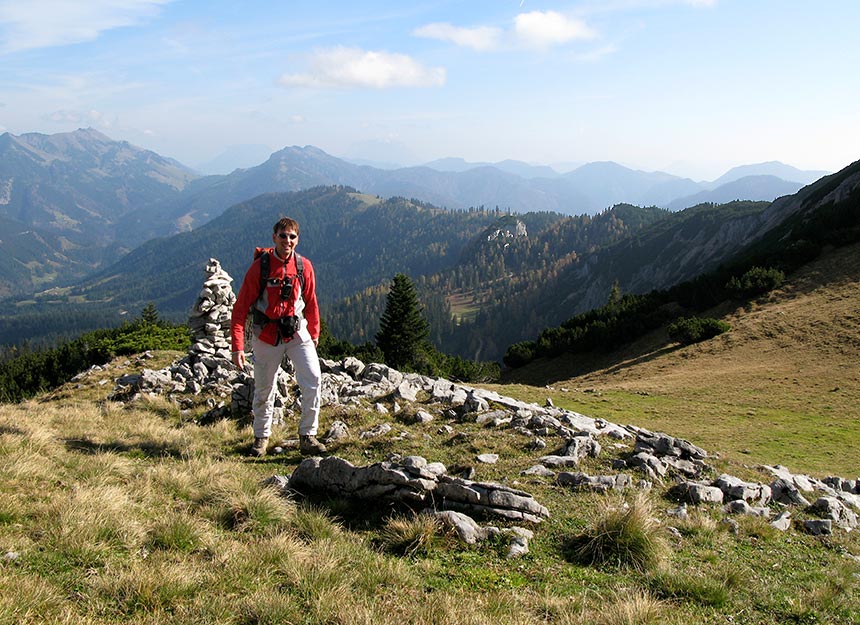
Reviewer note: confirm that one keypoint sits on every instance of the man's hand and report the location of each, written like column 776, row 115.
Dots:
column 239, row 359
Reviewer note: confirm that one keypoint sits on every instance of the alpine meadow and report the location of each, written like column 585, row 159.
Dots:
column 632, row 416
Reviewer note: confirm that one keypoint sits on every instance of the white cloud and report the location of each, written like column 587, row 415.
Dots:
column 89, row 118
column 353, row 67
column 592, row 56
column 480, row 38
column 46, row 23
column 542, row 29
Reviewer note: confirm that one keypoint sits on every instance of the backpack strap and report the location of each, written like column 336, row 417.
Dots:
column 300, row 270
column 264, row 273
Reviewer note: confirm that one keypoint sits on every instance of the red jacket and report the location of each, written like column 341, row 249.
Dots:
column 302, row 304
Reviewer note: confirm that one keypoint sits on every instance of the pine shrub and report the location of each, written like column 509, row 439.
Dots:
column 689, row 330
column 756, row 281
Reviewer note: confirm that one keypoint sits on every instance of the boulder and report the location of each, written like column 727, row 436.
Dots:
column 735, row 488
column 836, row 511
column 599, row 483
column 696, row 493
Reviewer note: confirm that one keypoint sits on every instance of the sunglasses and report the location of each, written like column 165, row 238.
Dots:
column 283, row 235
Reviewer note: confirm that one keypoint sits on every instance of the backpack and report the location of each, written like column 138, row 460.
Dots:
column 264, row 268
column 262, row 253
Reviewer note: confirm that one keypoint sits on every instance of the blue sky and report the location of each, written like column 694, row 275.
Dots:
column 692, row 87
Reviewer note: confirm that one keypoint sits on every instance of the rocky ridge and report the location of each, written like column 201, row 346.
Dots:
column 656, row 459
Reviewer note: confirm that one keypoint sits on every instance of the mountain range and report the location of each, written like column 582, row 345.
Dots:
column 71, row 203
column 487, row 279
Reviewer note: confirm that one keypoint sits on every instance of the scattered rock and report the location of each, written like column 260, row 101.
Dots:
column 422, row 416
column 376, row 431
column 678, row 513
column 836, row 511
column 784, row 491
column 599, row 483
column 696, row 493
column 818, row 527
column 739, row 506
column 466, row 527
column 337, row 432
column 539, row 470
column 735, row 488
column 783, row 521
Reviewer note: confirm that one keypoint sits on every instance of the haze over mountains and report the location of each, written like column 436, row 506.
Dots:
column 69, row 201
column 73, row 207
column 504, row 277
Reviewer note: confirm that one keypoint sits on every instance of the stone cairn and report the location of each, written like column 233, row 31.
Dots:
column 207, row 368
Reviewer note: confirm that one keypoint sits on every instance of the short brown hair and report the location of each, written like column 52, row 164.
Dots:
column 285, row 223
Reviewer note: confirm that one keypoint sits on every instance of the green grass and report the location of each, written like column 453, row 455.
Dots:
column 812, row 439
column 135, row 514
column 623, row 534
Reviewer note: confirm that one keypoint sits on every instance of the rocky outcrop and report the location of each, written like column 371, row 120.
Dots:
column 470, row 532
column 696, row 493
column 598, row 483
column 413, row 480
column 735, row 488
column 206, row 371
column 659, row 455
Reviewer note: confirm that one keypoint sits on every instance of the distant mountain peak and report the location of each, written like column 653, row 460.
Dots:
column 770, row 168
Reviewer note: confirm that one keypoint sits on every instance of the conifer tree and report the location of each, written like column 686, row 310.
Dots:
column 403, row 331
column 149, row 315
column 614, row 295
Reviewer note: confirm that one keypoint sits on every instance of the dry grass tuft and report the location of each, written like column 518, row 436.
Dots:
column 26, row 600
column 631, row 608
column 262, row 512
column 409, row 535
column 623, row 534
column 701, row 586
column 180, row 532
column 313, row 523
column 155, row 586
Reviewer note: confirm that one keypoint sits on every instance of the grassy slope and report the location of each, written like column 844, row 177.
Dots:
column 782, row 387
column 135, row 514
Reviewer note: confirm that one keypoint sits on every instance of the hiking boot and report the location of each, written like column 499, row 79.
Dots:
column 309, row 445
column 258, row 449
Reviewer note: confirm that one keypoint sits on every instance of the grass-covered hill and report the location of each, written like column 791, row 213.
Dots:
column 136, row 513
column 782, row 386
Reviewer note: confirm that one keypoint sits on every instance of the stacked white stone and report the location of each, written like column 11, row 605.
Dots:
column 207, row 364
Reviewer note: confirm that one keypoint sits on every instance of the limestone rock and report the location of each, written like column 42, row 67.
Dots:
column 599, row 483
column 836, row 511
column 696, row 493
column 735, row 488
column 783, row 521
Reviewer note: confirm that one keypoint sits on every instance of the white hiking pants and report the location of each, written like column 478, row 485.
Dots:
column 267, row 358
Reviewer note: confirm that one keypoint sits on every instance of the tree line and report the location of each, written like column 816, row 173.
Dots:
column 24, row 371
column 758, row 270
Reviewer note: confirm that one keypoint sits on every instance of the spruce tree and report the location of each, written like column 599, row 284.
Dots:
column 403, row 331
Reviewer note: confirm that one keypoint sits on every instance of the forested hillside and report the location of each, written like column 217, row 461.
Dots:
column 486, row 301
column 487, row 279
column 825, row 215
column 355, row 241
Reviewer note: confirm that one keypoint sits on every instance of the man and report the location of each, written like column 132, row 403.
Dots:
column 286, row 320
